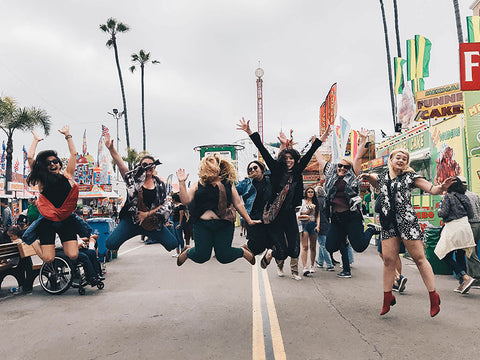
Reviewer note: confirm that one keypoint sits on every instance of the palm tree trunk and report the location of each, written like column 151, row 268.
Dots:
column 143, row 111
column 397, row 31
column 387, row 46
column 127, row 135
column 459, row 23
column 9, row 157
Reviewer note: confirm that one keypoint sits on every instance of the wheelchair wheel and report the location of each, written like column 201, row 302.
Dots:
column 56, row 277
column 100, row 285
column 81, row 290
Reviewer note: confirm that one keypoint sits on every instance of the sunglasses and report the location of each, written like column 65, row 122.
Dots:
column 54, row 161
column 345, row 166
column 253, row 168
column 148, row 165
column 310, row 191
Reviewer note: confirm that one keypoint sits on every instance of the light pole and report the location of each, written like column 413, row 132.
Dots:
column 116, row 115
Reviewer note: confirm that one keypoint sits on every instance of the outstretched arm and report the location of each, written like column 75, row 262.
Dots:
column 240, row 206
column 428, row 187
column 316, row 143
column 186, row 195
column 370, row 177
column 115, row 155
column 357, row 162
column 318, row 155
column 72, row 160
column 33, row 149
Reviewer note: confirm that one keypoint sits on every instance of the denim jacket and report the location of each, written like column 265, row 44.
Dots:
column 248, row 192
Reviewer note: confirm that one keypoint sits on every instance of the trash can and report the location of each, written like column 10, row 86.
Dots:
column 102, row 227
column 432, row 235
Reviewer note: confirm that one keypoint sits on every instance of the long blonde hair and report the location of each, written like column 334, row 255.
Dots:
column 407, row 168
column 212, row 166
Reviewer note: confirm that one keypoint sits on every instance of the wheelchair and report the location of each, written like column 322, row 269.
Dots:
column 59, row 275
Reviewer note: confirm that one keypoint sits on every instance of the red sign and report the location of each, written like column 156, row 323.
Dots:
column 470, row 66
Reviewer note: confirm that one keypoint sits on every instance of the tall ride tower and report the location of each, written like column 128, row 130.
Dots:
column 259, row 74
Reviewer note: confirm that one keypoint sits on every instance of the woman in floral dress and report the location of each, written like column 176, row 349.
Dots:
column 399, row 222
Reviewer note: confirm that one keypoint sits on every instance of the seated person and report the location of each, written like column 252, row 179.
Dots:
column 87, row 256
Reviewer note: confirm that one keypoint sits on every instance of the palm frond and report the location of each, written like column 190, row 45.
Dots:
column 121, row 27
column 109, row 43
column 132, row 68
column 111, row 23
column 104, row 28
column 155, row 62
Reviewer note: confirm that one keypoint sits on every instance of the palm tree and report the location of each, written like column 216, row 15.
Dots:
column 397, row 31
column 131, row 158
column 142, row 58
column 112, row 27
column 387, row 46
column 14, row 118
column 459, row 23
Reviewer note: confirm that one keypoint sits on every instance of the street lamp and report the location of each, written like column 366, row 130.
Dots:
column 116, row 115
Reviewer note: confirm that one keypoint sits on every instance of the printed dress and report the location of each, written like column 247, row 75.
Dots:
column 405, row 215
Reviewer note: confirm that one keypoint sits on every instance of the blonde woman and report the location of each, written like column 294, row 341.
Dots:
column 210, row 201
column 400, row 224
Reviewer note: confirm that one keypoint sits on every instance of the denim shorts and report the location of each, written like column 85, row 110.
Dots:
column 309, row 227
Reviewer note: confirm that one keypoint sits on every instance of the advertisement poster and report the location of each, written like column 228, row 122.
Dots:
column 448, row 149
column 474, row 180
column 441, row 102
column 472, row 122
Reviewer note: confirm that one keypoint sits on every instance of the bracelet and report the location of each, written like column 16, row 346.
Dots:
column 68, row 137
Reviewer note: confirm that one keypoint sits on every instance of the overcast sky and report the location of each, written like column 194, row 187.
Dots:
column 53, row 56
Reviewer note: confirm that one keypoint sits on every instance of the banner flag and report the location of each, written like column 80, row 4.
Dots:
column 354, row 143
column 411, row 60
column 336, row 144
column 2, row 160
column 417, row 85
column 16, row 166
column 473, row 26
column 323, row 118
column 344, row 135
column 84, row 145
column 331, row 103
column 423, row 47
column 398, row 68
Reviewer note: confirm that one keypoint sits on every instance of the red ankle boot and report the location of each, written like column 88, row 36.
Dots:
column 388, row 300
column 434, row 303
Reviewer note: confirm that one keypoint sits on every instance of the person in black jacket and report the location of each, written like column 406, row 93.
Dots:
column 286, row 175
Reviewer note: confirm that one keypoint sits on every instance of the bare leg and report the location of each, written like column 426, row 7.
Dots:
column 71, row 249
column 313, row 248
column 304, row 243
column 415, row 249
column 45, row 252
column 390, row 248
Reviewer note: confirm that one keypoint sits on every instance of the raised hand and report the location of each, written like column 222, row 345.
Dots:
column 36, row 137
column 108, row 142
column 363, row 133
column 65, row 130
column 282, row 138
column 245, row 126
column 327, row 132
column 181, row 176
column 447, row 182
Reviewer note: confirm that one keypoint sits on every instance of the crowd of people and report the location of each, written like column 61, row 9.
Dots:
column 280, row 217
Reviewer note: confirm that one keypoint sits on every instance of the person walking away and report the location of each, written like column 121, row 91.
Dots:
column 322, row 229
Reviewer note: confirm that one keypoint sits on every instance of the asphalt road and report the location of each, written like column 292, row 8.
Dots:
column 152, row 309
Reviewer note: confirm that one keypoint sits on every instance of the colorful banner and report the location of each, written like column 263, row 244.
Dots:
column 411, row 60
column 422, row 47
column 323, row 118
column 472, row 122
column 398, row 71
column 354, row 143
column 331, row 105
column 439, row 102
column 84, row 145
column 474, row 180
column 344, row 135
column 473, row 26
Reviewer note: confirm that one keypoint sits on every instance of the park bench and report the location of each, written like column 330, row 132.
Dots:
column 15, row 260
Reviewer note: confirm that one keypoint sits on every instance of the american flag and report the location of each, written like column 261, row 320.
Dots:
column 104, row 130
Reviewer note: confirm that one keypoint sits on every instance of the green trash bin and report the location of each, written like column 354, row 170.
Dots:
column 432, row 235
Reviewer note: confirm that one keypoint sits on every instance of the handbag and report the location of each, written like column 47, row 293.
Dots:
column 152, row 221
column 270, row 212
column 225, row 212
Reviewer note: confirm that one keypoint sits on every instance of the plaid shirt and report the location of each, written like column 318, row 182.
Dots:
column 134, row 180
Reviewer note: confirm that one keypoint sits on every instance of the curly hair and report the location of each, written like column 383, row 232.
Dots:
column 294, row 153
column 40, row 173
column 212, row 166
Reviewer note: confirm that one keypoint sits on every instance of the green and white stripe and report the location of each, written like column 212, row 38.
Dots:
column 398, row 71
column 473, row 26
column 417, row 85
column 423, row 47
column 411, row 60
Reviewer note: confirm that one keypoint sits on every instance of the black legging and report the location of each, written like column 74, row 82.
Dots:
column 287, row 237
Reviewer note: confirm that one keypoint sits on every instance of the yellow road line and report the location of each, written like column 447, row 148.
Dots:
column 258, row 343
column 277, row 340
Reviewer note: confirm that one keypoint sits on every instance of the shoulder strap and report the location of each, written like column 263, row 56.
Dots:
column 140, row 204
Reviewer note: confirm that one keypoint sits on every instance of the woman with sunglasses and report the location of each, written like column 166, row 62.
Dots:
column 287, row 182
column 57, row 201
column 145, row 204
column 343, row 205
column 400, row 224
column 212, row 201
column 256, row 191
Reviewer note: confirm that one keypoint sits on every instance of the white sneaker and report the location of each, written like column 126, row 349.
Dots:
column 296, row 277
column 305, row 272
column 312, row 269
column 280, row 272
column 175, row 254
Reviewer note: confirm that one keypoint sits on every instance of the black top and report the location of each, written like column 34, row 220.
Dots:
column 260, row 200
column 149, row 196
column 206, row 198
column 280, row 175
column 176, row 212
column 57, row 191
